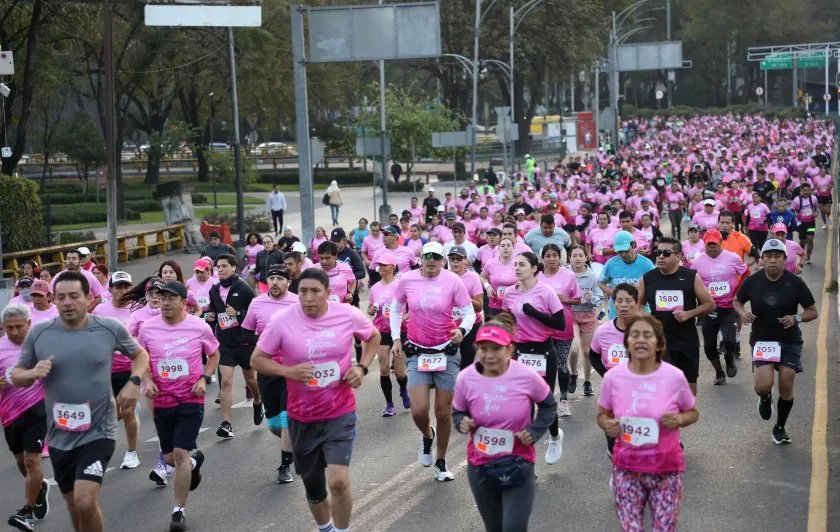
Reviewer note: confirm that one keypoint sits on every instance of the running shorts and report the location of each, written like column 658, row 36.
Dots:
column 687, row 359
column 791, row 357
column 274, row 394
column 178, row 426
column 27, row 432
column 318, row 444
column 86, row 462
column 442, row 380
column 587, row 321
column 118, row 380
column 233, row 356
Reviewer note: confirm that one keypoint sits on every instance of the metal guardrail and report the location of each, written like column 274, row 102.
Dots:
column 162, row 240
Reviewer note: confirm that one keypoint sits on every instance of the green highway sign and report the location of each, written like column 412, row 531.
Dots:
column 785, row 62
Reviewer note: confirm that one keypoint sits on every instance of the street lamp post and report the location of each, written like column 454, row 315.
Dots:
column 475, row 86
column 215, row 203
column 513, row 27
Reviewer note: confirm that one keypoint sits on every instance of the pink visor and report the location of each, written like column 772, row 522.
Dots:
column 497, row 335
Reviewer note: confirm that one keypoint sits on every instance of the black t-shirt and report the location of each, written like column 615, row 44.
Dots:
column 763, row 188
column 677, row 334
column 431, row 205
column 771, row 300
column 822, row 160
column 525, row 207
column 285, row 244
column 293, row 286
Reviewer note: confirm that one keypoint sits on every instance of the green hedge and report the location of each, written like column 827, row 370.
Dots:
column 20, row 214
column 690, row 112
column 61, row 198
column 324, row 177
column 406, row 186
column 84, row 213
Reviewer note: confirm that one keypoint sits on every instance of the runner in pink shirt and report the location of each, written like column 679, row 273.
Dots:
column 805, row 207
column 342, row 280
column 310, row 345
column 600, row 239
column 795, row 256
column 823, row 184
column 539, row 314
column 755, row 217
column 492, row 405
column 73, row 261
column 372, row 243
column 170, row 270
column 404, row 256
column 42, row 308
column 498, row 276
column 24, row 419
column 201, row 283
column 379, row 307
column 145, row 303
column 457, row 258
column 708, row 218
column 176, row 342
column 432, row 347
column 607, row 350
column 693, row 246
column 676, row 206
column 644, row 404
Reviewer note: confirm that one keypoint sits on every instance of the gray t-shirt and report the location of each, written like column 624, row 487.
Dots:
column 80, row 378
column 536, row 240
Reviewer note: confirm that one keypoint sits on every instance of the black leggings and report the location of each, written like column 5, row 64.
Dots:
column 277, row 218
column 726, row 322
column 503, row 510
column 546, row 348
column 598, row 366
column 676, row 223
column 563, row 347
column 468, row 347
column 758, row 238
column 374, row 277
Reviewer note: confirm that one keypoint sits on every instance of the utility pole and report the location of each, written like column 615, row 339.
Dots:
column 210, row 99
column 597, row 108
column 670, row 73
column 475, row 88
column 110, row 141
column 385, row 208
column 729, row 72
column 237, row 154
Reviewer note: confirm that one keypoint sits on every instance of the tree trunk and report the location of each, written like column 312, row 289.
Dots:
column 153, row 170
column 44, row 171
column 202, row 154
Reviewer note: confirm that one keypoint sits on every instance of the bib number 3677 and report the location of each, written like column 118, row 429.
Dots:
column 639, row 431
column 533, row 361
column 767, row 352
column 72, row 418
column 431, row 362
column 493, row 441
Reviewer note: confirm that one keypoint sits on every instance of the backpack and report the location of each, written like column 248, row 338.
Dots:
column 326, row 199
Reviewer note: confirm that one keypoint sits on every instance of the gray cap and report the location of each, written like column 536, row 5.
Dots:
column 774, row 245
column 457, row 250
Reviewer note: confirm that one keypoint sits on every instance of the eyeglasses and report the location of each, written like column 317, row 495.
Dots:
column 664, row 252
column 432, row 256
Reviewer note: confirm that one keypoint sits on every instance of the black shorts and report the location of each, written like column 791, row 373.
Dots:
column 791, row 357
column 386, row 339
column 236, row 356
column 27, row 432
column 87, row 462
column 178, row 426
column 806, row 228
column 824, row 200
column 274, row 394
column 118, row 380
column 687, row 359
column 319, row 444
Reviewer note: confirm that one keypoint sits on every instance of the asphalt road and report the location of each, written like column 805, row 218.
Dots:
column 736, row 478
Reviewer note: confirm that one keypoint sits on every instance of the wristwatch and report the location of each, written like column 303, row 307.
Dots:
column 364, row 368
column 207, row 378
column 135, row 379
column 463, row 331
column 798, row 318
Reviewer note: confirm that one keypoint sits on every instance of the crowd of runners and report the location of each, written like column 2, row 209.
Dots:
column 480, row 305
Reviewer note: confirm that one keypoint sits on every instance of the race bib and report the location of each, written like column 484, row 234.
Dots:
column 599, row 250
column 456, row 313
column 431, row 362
column 324, row 374
column 822, row 189
column 226, row 322
column 493, row 441
column 755, row 215
column 9, row 375
column 536, row 362
column 72, row 418
column 203, row 301
column 386, row 310
column 334, row 299
column 719, row 289
column 173, row 368
column 501, row 291
column 669, row 300
column 639, row 431
column 807, row 212
column 573, row 213
column 617, row 355
column 767, row 352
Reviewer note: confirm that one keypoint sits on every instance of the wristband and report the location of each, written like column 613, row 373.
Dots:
column 487, row 285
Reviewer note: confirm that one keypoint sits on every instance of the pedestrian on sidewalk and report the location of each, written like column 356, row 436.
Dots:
column 275, row 204
column 335, row 201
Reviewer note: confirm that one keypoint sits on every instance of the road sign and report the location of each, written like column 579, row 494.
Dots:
column 785, row 61
column 203, row 15
column 316, row 150
column 371, row 146
column 827, row 97
column 452, row 139
column 759, row 91
column 505, row 130
column 659, row 95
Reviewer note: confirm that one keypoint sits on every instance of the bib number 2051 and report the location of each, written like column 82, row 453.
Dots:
column 767, row 352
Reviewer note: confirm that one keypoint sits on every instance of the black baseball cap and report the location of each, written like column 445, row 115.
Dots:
column 278, row 269
column 338, row 235
column 459, row 226
column 457, row 250
column 391, row 230
column 495, row 231
column 174, row 287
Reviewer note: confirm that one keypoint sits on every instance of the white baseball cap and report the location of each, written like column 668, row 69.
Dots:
column 770, row 245
column 84, row 251
column 709, row 201
column 431, row 189
column 299, row 247
column 433, row 247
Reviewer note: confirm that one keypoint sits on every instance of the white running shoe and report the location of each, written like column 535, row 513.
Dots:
column 825, row 228
column 158, row 475
column 427, row 458
column 555, row 449
column 212, row 378
column 563, row 408
column 443, row 474
column 130, row 460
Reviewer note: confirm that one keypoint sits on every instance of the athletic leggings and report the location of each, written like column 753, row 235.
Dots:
column 633, row 491
column 758, row 238
column 468, row 347
column 503, row 510
column 676, row 223
column 563, row 347
column 550, row 370
column 725, row 322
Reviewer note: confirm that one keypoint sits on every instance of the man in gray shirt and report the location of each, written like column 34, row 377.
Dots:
column 547, row 233
column 72, row 355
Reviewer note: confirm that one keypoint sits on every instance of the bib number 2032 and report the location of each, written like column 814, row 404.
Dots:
column 324, row 374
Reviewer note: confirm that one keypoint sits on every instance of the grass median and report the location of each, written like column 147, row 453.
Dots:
column 145, row 218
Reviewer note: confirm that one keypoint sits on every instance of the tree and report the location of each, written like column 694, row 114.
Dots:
column 82, row 141
column 21, row 216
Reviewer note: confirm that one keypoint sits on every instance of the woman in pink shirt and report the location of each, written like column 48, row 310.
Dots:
column 600, row 239
column 320, row 237
column 643, row 404
column 498, row 275
column 379, row 308
column 676, row 206
column 823, row 184
column 693, row 246
column 492, row 404
column 170, row 270
column 755, row 216
column 145, row 303
column 251, row 249
column 539, row 314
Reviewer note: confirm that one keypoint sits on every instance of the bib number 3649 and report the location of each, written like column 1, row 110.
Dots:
column 72, row 418
column 767, row 352
column 493, row 441
column 639, row 431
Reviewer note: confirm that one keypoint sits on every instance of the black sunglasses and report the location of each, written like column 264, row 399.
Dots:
column 432, row 256
column 664, row 252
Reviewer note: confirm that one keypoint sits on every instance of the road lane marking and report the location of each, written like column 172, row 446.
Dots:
column 156, row 439
column 243, row 404
column 817, row 510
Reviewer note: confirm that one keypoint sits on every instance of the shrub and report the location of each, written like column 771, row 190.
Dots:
column 20, row 212
column 322, row 177
column 69, row 237
column 257, row 223
column 84, row 213
column 406, row 186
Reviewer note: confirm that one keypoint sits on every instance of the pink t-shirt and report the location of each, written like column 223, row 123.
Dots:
column 705, row 221
column 690, row 251
column 201, row 291
column 341, row 276
column 599, row 239
column 647, row 397
column 405, row 258
column 175, row 357
column 474, row 285
column 383, row 295
column 140, row 316
column 573, row 206
column 542, row 298
column 721, row 276
column 251, row 253
column 121, row 362
column 756, row 216
column 564, row 283
column 822, row 184
column 95, row 286
column 500, row 403
column 263, row 307
column 674, row 199
column 15, row 401
column 485, row 254
column 805, row 209
column 608, row 342
column 416, row 246
column 293, row 338
column 37, row 316
column 501, row 277
column 430, row 302
column 371, row 244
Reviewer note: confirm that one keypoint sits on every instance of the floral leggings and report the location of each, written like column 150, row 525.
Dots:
column 633, row 491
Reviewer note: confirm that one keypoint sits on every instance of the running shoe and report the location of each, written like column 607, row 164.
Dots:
column 731, row 369
column 573, row 383
column 158, row 475
column 405, row 399
column 426, row 452
column 219, row 397
column 248, row 395
column 130, row 460
column 765, row 406
column 284, row 475
column 738, row 350
column 555, row 449
column 441, row 473
column 563, row 408
column 808, row 262
column 42, row 503
column 179, row 522
column 587, row 389
column 780, row 435
column 195, row 480
column 720, row 378
column 259, row 413
column 225, row 430
column 825, row 228
column 23, row 519
column 389, row 411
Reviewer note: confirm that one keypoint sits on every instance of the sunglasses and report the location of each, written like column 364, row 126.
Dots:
column 432, row 256
column 664, row 252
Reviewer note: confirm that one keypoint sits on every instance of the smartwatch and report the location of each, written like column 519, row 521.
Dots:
column 364, row 368
column 135, row 379
column 207, row 378
column 463, row 331
column 798, row 318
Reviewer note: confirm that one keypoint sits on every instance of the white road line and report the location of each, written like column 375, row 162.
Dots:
column 243, row 404
column 156, row 439
column 54, row 483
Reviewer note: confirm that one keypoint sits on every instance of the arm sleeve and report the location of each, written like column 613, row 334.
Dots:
column 467, row 316
column 546, row 410
column 357, row 265
column 395, row 320
column 556, row 321
column 597, row 363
